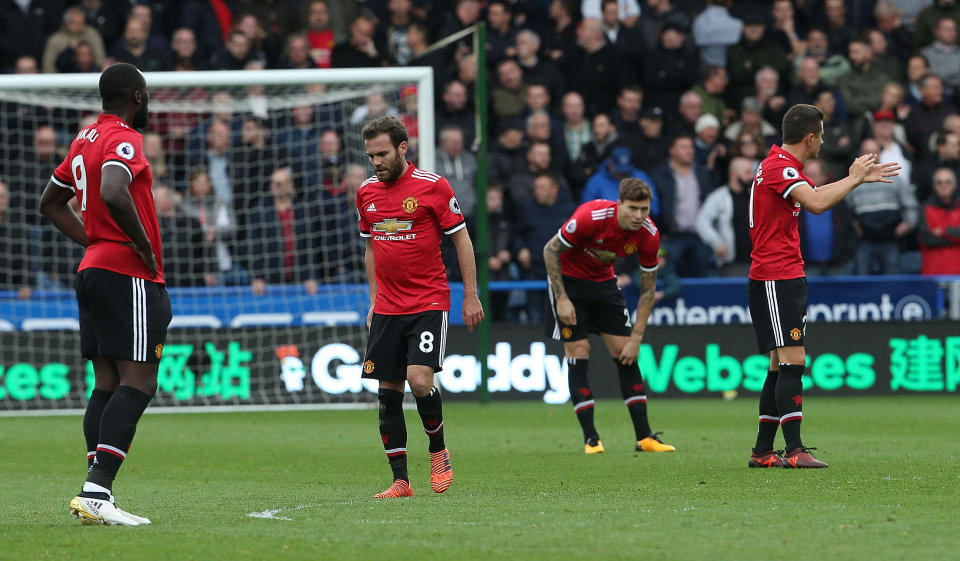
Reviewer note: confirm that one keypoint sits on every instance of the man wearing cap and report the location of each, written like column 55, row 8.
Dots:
column 670, row 69
column 605, row 184
column 752, row 53
column 705, row 144
column 650, row 147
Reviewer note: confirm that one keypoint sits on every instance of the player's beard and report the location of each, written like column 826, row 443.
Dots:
column 142, row 119
column 394, row 170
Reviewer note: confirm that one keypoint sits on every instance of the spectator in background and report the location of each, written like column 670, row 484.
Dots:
column 538, row 99
column 296, row 56
column 883, row 214
column 808, row 84
column 349, row 265
column 650, row 148
column 828, row 241
column 459, row 166
column 690, row 109
column 157, row 156
column 891, row 150
column 627, row 10
column 134, row 49
column 576, row 128
column 252, row 160
column 300, row 138
column 835, row 152
column 418, row 43
column 682, row 186
column 330, row 165
column 711, row 91
column 184, row 47
column 917, row 69
column 595, row 70
column 263, row 47
column 626, row 117
column 748, row 146
column 235, row 52
column 943, row 55
column 890, row 23
column 926, row 24
column 25, row 64
column 277, row 19
column 839, row 32
column 560, row 41
column 783, row 29
column 605, row 137
column 78, row 58
column 394, row 29
column 216, row 159
column 626, row 39
column 499, row 247
column 15, row 273
column 947, row 155
column 886, row 61
column 671, row 69
column 74, row 31
column 509, row 98
column 281, row 239
column 501, row 35
column 455, row 109
column 767, row 83
column 891, row 100
column 319, row 35
column 359, row 50
column 30, row 172
column 862, row 86
column 24, row 26
column 710, row 153
column 752, row 121
column 654, row 20
column 540, row 129
column 520, row 185
column 926, row 118
column 55, row 267
column 187, row 258
column 723, row 221
column 714, row 30
column 376, row 105
column 538, row 221
column 605, row 183
column 833, row 66
column 219, row 225
column 940, row 226
column 507, row 155
column 746, row 57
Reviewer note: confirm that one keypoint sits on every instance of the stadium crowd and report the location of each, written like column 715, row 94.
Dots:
column 686, row 94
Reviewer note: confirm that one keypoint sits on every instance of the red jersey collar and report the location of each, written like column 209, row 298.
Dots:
column 107, row 116
column 774, row 150
column 410, row 168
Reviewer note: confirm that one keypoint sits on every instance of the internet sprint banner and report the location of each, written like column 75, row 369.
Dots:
column 315, row 365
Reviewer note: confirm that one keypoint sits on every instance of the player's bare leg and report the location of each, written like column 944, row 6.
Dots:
column 430, row 407
column 393, row 434
column 577, row 355
column 634, row 395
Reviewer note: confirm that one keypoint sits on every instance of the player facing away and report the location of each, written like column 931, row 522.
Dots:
column 403, row 211
column 585, row 299
column 778, row 285
column 123, row 304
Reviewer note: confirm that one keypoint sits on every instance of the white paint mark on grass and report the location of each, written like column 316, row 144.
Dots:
column 273, row 512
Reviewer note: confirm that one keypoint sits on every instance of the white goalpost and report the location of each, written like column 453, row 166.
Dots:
column 269, row 309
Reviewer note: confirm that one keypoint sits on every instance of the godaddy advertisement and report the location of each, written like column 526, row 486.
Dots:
column 307, row 365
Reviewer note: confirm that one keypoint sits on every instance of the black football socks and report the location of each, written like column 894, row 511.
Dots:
column 430, row 408
column 581, row 396
column 769, row 417
column 118, row 424
column 635, row 397
column 393, row 431
column 790, row 403
column 91, row 421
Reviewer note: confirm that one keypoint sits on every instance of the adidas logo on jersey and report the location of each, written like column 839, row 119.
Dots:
column 372, row 208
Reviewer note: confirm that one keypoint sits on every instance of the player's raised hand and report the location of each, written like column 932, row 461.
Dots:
column 867, row 170
column 566, row 313
column 472, row 312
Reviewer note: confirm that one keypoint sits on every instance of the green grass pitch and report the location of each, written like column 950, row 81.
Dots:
column 523, row 488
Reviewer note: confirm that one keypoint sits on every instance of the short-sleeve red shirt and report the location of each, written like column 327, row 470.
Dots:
column 111, row 142
column 774, row 217
column 596, row 240
column 405, row 220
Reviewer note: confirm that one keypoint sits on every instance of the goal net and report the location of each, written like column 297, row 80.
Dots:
column 254, row 176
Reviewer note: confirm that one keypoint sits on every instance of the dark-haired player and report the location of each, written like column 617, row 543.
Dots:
column 778, row 286
column 403, row 212
column 124, row 307
column 585, row 299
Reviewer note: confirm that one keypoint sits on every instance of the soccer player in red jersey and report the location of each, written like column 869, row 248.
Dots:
column 778, row 286
column 585, row 299
column 123, row 304
column 403, row 212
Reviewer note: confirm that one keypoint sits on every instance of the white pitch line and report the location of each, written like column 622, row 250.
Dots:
column 272, row 513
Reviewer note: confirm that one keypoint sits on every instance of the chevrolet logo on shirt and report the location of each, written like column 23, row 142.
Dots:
column 392, row 226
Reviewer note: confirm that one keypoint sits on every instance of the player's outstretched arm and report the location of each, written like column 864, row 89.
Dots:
column 551, row 259
column 371, row 278
column 55, row 205
column 648, row 289
column 115, row 192
column 472, row 309
column 864, row 169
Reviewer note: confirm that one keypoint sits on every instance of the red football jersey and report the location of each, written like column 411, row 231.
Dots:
column 405, row 219
column 111, row 142
column 774, row 216
column 597, row 240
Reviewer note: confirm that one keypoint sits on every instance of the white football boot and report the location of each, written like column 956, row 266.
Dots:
column 101, row 511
